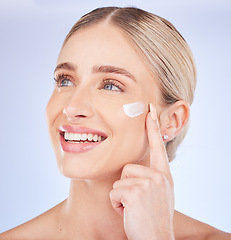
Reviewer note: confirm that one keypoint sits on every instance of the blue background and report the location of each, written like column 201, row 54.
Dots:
column 32, row 33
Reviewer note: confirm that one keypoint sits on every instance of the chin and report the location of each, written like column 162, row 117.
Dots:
column 87, row 170
column 90, row 176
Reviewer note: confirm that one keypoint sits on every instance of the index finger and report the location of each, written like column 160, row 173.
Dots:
column 158, row 154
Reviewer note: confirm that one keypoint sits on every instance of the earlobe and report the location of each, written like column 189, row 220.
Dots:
column 174, row 119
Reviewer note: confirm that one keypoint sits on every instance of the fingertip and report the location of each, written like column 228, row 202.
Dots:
column 149, row 107
column 114, row 185
column 153, row 113
column 111, row 194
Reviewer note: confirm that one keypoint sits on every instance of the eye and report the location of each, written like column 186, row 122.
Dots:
column 63, row 80
column 111, row 85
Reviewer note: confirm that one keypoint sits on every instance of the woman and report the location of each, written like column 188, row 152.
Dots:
column 125, row 79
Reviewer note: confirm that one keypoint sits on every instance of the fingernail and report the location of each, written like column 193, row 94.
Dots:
column 153, row 113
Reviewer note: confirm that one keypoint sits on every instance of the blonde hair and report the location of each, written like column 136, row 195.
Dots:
column 165, row 52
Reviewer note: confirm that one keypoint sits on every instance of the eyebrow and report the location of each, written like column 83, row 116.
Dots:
column 67, row 66
column 97, row 69
column 112, row 69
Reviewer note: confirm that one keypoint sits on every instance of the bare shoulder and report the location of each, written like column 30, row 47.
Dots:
column 186, row 228
column 40, row 227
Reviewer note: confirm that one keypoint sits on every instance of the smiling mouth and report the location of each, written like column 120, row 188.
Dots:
column 82, row 137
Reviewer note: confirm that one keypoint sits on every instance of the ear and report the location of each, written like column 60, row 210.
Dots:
column 173, row 118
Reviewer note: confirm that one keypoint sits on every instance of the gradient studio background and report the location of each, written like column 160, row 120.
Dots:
column 32, row 33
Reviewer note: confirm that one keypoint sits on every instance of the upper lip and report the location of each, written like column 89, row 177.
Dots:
column 80, row 129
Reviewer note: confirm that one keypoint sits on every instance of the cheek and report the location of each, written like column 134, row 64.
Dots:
column 124, row 118
column 53, row 109
column 128, row 135
column 131, row 139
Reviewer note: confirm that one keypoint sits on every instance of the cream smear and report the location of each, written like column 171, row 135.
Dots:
column 133, row 109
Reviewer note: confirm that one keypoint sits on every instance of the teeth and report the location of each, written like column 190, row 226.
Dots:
column 82, row 137
column 69, row 136
column 90, row 137
column 95, row 138
column 77, row 136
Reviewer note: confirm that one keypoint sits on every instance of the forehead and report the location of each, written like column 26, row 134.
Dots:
column 101, row 44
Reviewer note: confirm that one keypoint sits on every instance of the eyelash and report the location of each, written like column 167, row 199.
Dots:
column 112, row 82
column 61, row 77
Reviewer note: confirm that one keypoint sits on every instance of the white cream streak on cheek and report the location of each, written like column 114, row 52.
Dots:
column 133, row 109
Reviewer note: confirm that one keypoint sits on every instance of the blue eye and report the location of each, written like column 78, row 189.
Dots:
column 64, row 81
column 111, row 85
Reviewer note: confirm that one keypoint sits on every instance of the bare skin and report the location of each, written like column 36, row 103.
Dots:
column 90, row 213
column 49, row 226
column 128, row 194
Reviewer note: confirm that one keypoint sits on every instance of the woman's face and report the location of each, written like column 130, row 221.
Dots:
column 98, row 71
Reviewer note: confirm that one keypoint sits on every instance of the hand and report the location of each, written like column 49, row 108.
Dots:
column 144, row 195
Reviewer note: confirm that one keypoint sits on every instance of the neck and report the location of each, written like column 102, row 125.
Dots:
column 89, row 214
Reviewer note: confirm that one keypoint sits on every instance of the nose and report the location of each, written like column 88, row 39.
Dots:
column 79, row 105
